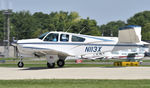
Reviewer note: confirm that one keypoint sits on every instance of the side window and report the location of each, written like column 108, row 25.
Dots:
column 52, row 37
column 77, row 39
column 64, row 37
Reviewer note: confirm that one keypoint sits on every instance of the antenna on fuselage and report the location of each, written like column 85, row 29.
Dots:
column 81, row 30
column 68, row 29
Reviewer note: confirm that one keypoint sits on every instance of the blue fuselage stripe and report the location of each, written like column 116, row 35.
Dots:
column 87, row 44
column 36, row 48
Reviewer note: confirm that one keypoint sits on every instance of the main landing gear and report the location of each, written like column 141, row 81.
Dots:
column 60, row 63
column 50, row 65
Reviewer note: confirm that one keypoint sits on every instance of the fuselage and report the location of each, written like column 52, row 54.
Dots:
column 69, row 44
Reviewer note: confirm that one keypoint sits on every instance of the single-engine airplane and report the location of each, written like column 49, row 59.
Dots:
column 56, row 46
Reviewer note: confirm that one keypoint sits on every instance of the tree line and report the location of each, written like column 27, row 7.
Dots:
column 25, row 25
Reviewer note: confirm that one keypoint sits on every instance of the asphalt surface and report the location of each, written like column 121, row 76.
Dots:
column 123, row 73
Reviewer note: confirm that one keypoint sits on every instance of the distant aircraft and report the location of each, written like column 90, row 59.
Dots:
column 129, row 54
column 56, row 46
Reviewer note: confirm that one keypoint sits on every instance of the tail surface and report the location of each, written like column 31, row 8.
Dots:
column 130, row 34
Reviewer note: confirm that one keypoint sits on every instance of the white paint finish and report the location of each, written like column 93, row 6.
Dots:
column 93, row 46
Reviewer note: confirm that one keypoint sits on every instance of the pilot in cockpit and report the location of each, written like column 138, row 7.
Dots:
column 54, row 38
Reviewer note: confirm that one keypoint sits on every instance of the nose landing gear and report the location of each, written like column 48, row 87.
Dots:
column 20, row 63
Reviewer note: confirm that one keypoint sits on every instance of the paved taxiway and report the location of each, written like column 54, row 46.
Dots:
column 75, row 73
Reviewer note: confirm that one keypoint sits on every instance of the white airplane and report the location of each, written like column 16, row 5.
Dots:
column 56, row 46
column 128, row 54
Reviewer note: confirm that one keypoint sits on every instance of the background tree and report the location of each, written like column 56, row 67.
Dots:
column 111, row 28
column 1, row 26
column 23, row 25
column 41, row 23
column 146, row 32
column 142, row 19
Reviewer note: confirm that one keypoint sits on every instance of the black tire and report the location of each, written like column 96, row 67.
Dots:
column 50, row 65
column 20, row 64
column 60, row 63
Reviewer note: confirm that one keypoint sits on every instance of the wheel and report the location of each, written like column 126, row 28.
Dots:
column 60, row 63
column 50, row 65
column 20, row 64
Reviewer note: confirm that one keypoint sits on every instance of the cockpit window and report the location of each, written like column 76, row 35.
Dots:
column 64, row 37
column 77, row 39
column 43, row 35
column 52, row 37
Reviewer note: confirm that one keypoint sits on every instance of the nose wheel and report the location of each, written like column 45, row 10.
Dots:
column 20, row 64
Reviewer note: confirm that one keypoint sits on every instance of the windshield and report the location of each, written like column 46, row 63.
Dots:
column 43, row 35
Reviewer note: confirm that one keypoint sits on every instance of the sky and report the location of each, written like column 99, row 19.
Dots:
column 103, row 11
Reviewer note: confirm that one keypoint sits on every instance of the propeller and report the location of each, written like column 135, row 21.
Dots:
column 14, row 43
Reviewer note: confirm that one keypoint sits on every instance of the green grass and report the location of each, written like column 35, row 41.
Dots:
column 146, row 60
column 66, row 65
column 62, row 83
column 43, row 64
column 69, row 63
column 26, row 65
column 84, row 60
column 11, row 62
column 88, row 65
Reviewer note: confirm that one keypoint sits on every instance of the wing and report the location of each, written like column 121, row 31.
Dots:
column 40, row 51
